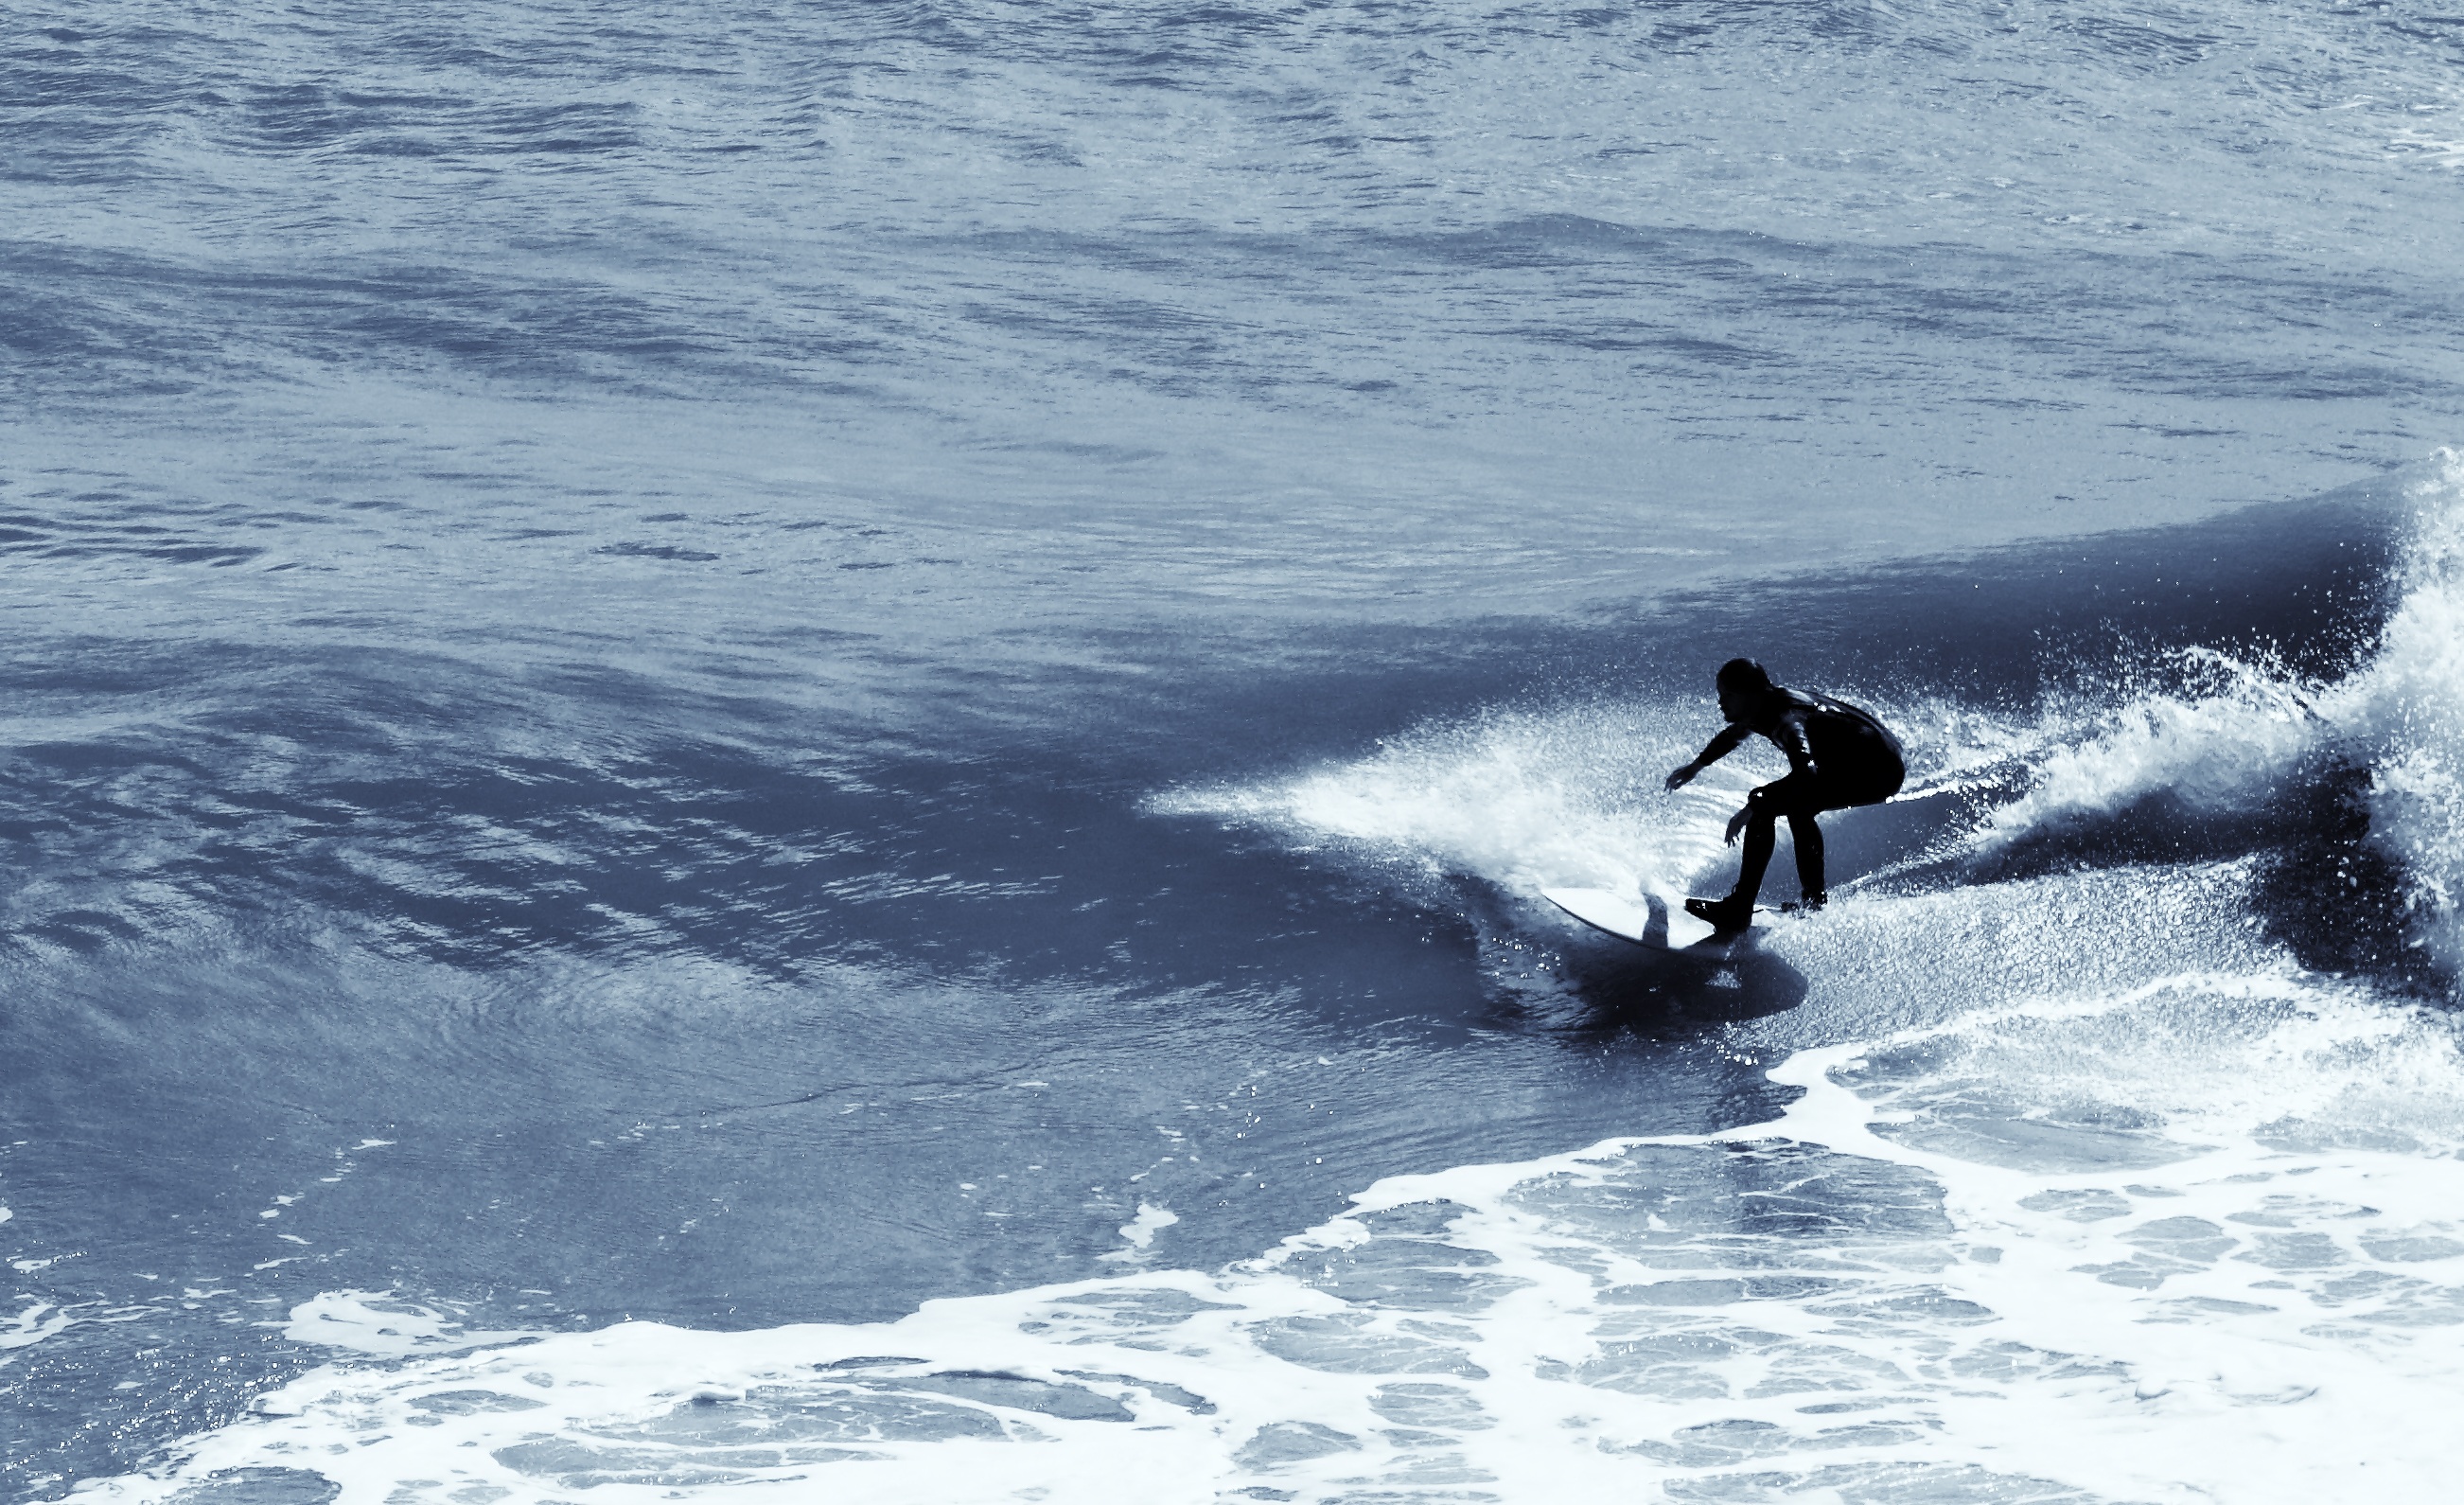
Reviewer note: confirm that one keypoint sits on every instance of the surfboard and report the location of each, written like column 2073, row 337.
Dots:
column 1648, row 919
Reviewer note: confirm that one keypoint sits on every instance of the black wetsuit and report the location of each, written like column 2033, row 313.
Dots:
column 1839, row 756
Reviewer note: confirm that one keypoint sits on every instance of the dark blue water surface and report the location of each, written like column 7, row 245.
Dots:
column 612, row 614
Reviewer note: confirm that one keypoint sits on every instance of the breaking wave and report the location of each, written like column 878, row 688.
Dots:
column 1569, row 797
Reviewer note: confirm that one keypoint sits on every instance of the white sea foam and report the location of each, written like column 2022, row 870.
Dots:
column 375, row 1322
column 1140, row 1231
column 35, row 1322
column 2192, row 1240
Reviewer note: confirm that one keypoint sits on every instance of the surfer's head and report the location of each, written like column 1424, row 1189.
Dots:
column 1744, row 686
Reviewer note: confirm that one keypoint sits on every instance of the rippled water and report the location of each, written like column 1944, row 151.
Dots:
column 812, row 747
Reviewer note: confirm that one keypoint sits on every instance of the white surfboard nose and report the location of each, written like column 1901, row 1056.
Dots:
column 1603, row 910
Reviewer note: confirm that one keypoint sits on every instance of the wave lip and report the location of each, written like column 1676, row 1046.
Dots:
column 2411, row 715
column 2254, row 734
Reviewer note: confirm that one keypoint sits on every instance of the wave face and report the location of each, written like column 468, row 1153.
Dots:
column 810, row 750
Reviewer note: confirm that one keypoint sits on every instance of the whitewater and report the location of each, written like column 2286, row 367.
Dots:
column 808, row 754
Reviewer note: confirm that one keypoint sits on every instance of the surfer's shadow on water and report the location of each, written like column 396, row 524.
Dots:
column 1679, row 991
column 1586, row 984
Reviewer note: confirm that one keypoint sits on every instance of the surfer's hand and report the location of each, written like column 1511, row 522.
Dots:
column 1680, row 778
column 1737, row 823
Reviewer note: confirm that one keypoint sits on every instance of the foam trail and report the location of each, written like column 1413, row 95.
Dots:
column 1530, row 800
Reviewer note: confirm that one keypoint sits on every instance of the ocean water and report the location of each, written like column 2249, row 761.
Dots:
column 805, row 752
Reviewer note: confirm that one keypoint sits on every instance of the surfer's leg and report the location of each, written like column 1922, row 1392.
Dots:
column 1761, row 836
column 1807, row 838
column 1737, row 911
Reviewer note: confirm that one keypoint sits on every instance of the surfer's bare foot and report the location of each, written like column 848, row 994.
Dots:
column 1724, row 913
column 1811, row 904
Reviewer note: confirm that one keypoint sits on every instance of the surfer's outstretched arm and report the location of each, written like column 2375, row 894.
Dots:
column 1719, row 747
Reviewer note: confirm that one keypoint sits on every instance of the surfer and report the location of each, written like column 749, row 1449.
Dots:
column 1838, row 756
